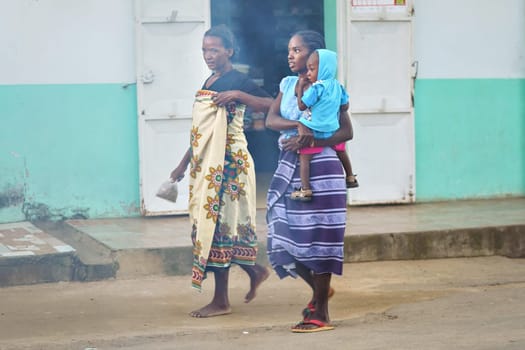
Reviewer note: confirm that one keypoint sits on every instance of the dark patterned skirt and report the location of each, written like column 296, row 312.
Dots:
column 310, row 233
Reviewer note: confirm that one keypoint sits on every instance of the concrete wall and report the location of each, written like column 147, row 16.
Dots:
column 470, row 99
column 68, row 141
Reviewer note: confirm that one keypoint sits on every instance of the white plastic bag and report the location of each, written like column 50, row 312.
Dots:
column 168, row 191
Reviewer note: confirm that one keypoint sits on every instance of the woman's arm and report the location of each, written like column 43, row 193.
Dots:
column 275, row 121
column 343, row 134
column 178, row 173
column 258, row 104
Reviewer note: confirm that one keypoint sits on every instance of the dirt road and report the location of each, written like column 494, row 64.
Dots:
column 474, row 303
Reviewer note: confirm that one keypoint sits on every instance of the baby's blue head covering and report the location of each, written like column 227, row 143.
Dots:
column 326, row 75
column 325, row 95
column 327, row 64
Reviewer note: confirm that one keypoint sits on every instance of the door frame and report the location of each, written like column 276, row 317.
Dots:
column 344, row 18
column 159, row 155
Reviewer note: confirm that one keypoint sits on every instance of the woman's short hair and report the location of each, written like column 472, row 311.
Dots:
column 226, row 35
column 312, row 39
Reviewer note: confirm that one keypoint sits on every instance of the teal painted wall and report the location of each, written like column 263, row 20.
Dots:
column 470, row 133
column 68, row 151
column 330, row 24
column 470, row 138
column 72, row 150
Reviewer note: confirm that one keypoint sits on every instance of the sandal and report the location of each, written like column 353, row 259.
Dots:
column 311, row 326
column 351, row 181
column 310, row 308
column 301, row 195
column 308, row 311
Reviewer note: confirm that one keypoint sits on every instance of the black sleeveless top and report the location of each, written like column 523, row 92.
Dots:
column 235, row 80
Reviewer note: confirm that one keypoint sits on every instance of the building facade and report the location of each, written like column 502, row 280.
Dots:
column 72, row 89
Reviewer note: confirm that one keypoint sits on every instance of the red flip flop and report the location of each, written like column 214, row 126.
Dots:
column 312, row 326
column 310, row 308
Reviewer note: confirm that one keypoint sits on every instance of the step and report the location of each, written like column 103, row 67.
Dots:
column 29, row 255
column 94, row 260
column 94, row 249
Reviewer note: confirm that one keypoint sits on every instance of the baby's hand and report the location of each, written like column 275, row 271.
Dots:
column 305, row 136
column 303, row 83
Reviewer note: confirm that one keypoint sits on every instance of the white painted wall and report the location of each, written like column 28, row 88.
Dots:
column 470, row 38
column 66, row 41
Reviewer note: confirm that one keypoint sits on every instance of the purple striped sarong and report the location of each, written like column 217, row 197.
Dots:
column 310, row 233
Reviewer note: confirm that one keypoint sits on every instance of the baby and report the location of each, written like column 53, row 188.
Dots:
column 323, row 100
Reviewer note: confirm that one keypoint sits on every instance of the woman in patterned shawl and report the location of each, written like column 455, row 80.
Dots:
column 222, row 175
column 305, row 239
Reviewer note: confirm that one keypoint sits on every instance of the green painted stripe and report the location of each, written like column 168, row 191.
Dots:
column 73, row 148
column 470, row 138
column 70, row 150
column 330, row 24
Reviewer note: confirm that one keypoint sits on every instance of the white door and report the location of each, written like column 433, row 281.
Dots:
column 377, row 71
column 170, row 69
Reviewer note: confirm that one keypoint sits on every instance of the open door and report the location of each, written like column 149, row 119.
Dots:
column 378, row 72
column 170, row 69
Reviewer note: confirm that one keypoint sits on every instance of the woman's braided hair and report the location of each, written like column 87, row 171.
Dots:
column 312, row 39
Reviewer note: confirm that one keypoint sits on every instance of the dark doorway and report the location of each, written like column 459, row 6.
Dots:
column 262, row 29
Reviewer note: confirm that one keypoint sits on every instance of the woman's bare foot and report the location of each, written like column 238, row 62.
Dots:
column 211, row 310
column 258, row 275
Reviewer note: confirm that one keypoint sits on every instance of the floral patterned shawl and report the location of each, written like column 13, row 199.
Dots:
column 222, row 189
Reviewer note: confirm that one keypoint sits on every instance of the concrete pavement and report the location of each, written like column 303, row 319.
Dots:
column 95, row 249
column 465, row 303
column 474, row 299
